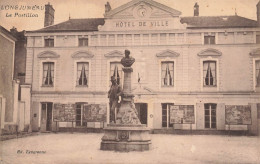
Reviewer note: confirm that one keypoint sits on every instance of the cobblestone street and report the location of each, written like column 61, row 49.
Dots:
column 71, row 148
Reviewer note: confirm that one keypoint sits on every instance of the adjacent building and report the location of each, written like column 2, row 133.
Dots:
column 205, row 63
column 8, row 86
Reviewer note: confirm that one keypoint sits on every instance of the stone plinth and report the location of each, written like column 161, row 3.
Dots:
column 126, row 138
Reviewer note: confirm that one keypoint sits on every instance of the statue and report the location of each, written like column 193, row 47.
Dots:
column 125, row 132
column 107, row 7
column 127, row 61
column 113, row 95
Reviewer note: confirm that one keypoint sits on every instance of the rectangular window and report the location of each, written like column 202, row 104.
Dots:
column 257, row 39
column 210, row 116
column 137, row 39
column 154, row 39
column 167, row 74
column 257, row 73
column 166, row 115
column 111, row 40
column 94, row 40
column 83, row 42
column 103, row 40
column 116, row 71
column 209, row 73
column 258, row 111
column 120, row 39
column 209, row 39
column 49, row 42
column 128, row 39
column 171, row 38
column 82, row 73
column 163, row 39
column 48, row 74
column 145, row 39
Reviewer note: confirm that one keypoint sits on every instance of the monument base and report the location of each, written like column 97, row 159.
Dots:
column 126, row 138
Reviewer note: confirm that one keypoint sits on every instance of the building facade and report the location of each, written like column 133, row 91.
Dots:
column 8, row 86
column 208, row 63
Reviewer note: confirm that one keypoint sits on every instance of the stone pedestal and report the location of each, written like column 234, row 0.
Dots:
column 127, row 134
column 126, row 138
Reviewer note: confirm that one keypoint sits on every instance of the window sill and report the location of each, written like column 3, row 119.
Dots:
column 47, row 86
column 170, row 86
column 82, row 86
column 209, row 86
column 210, row 129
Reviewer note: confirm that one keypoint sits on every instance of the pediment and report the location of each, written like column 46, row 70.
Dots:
column 48, row 54
column 142, row 90
column 134, row 9
column 82, row 54
column 142, row 15
column 210, row 52
column 114, row 54
column 168, row 53
column 255, row 52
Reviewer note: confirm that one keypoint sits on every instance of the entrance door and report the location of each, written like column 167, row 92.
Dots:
column 210, row 116
column 46, row 118
column 78, row 114
column 142, row 112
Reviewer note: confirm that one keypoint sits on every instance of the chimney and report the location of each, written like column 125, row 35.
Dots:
column 107, row 7
column 196, row 9
column 14, row 31
column 49, row 15
column 258, row 13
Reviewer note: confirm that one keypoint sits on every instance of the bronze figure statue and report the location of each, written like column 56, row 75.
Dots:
column 113, row 95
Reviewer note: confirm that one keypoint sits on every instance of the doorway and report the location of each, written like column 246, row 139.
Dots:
column 210, row 116
column 258, row 119
column 46, row 118
column 142, row 112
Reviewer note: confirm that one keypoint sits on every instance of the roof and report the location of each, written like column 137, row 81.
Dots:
column 7, row 33
column 196, row 22
column 89, row 24
column 219, row 22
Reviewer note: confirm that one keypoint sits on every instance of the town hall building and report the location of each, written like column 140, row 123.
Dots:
column 190, row 72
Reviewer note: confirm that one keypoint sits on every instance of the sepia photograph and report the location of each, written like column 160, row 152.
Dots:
column 129, row 81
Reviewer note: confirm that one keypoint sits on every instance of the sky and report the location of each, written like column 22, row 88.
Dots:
column 11, row 17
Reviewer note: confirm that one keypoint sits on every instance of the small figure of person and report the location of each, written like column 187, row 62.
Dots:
column 113, row 95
